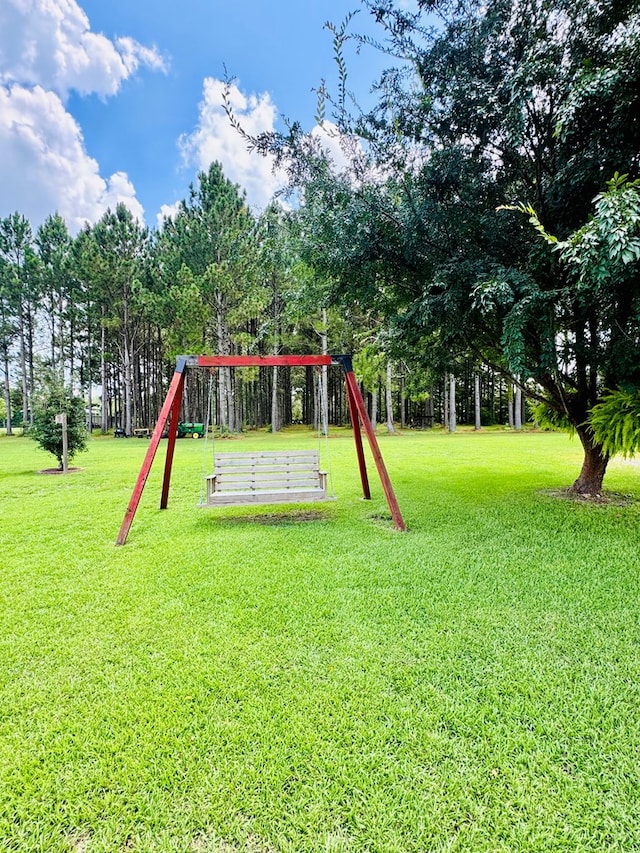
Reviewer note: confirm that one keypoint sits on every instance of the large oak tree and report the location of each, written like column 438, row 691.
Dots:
column 489, row 104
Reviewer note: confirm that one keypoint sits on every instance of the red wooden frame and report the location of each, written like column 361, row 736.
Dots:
column 173, row 401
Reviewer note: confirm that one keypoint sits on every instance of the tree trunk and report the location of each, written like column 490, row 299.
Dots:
column 510, row 405
column 104, row 415
column 445, row 402
column 324, row 395
column 428, row 408
column 594, row 466
column 90, row 383
column 127, row 381
column 230, row 398
column 452, row 403
column 72, row 349
column 7, row 388
column 32, row 379
column 275, row 419
column 23, row 366
column 222, row 400
column 389, row 401
column 476, row 397
column 185, row 413
column 517, row 408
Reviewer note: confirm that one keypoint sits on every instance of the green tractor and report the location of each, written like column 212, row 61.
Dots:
column 189, row 430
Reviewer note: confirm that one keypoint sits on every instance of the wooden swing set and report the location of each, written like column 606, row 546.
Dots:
column 280, row 489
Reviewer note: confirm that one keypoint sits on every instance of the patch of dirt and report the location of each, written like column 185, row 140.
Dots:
column 276, row 518
column 80, row 843
column 601, row 499
column 58, row 471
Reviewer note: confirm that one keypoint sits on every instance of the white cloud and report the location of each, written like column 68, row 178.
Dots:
column 334, row 144
column 47, row 49
column 118, row 188
column 44, row 166
column 214, row 139
column 167, row 211
column 49, row 43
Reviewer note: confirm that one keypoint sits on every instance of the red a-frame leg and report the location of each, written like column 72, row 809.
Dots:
column 355, row 399
column 173, row 434
column 171, row 404
column 357, row 437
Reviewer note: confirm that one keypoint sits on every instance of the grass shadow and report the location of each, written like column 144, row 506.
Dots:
column 273, row 519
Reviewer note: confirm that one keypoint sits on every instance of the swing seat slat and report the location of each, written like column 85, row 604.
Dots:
column 270, row 476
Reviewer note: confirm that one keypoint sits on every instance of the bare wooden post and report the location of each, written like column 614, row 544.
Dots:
column 62, row 420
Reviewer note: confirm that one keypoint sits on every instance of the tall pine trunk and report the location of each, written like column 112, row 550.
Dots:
column 517, row 408
column 275, row 416
column 30, row 358
column 104, row 414
column 510, row 405
column 452, row 403
column 87, row 370
column 389, row 400
column 7, row 388
column 127, row 378
column 324, row 396
column 23, row 365
column 428, row 408
column 445, row 401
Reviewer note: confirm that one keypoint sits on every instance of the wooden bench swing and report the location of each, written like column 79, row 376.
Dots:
column 266, row 476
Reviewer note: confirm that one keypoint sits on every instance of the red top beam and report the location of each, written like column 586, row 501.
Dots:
column 259, row 360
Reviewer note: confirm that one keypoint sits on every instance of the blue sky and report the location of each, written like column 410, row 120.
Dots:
column 119, row 100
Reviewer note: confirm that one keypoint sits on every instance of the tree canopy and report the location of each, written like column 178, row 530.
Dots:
column 491, row 105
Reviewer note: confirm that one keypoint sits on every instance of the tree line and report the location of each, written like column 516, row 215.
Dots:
column 111, row 307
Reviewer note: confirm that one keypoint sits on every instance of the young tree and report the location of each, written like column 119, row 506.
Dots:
column 55, row 399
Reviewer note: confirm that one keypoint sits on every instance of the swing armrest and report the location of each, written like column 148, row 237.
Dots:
column 211, row 484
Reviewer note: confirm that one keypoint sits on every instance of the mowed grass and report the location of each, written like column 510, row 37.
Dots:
column 309, row 679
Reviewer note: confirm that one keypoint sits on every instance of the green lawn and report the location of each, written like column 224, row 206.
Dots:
column 227, row 682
